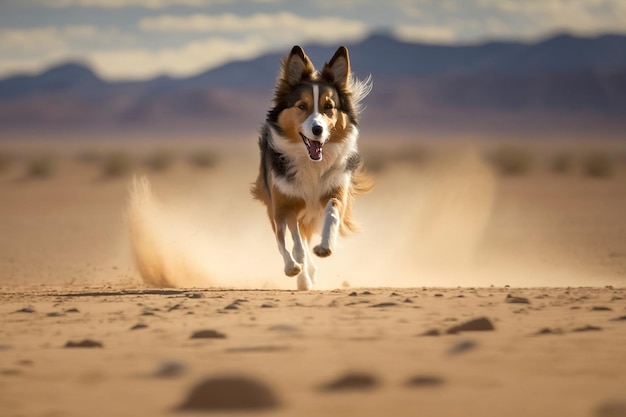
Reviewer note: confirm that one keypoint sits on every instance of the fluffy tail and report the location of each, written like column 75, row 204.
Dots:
column 164, row 257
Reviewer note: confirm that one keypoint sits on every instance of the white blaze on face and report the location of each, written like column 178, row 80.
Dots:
column 315, row 128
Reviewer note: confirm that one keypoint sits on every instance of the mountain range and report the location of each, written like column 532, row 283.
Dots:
column 563, row 81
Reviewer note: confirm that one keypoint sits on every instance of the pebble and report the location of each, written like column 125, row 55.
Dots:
column 478, row 324
column 230, row 393
column 86, row 343
column 207, row 334
column 351, row 381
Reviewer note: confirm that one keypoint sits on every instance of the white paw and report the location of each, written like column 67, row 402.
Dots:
column 322, row 251
column 292, row 269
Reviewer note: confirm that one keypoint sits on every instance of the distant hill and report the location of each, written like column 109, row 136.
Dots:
column 415, row 85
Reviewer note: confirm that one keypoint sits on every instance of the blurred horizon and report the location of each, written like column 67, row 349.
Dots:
column 140, row 39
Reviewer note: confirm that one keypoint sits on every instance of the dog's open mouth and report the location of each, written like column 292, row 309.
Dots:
column 314, row 148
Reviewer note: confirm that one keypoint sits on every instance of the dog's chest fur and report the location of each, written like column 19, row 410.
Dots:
column 289, row 169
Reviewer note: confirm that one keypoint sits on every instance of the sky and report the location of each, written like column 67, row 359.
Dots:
column 139, row 39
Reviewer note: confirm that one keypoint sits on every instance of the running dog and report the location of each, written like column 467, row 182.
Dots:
column 310, row 167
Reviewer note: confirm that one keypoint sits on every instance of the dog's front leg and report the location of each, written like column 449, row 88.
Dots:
column 292, row 268
column 332, row 219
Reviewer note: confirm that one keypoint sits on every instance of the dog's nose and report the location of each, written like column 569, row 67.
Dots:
column 317, row 130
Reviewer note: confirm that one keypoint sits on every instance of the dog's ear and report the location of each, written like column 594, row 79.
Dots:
column 337, row 71
column 297, row 67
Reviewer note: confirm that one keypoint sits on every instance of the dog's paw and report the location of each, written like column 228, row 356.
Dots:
column 293, row 269
column 304, row 283
column 321, row 251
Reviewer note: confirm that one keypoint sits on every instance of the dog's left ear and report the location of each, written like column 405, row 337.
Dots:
column 337, row 71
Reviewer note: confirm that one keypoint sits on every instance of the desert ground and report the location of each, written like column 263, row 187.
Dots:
column 489, row 279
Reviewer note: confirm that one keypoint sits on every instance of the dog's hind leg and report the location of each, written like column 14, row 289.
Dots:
column 331, row 228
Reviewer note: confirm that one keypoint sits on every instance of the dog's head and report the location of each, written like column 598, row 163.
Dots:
column 313, row 107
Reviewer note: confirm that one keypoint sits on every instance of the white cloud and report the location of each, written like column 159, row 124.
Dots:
column 43, row 38
column 428, row 34
column 184, row 61
column 147, row 4
column 584, row 17
column 280, row 24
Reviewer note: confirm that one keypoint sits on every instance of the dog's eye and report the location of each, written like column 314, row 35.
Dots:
column 328, row 106
column 302, row 106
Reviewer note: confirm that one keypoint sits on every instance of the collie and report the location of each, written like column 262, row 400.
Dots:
column 310, row 167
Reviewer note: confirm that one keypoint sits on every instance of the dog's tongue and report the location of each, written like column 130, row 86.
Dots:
column 315, row 150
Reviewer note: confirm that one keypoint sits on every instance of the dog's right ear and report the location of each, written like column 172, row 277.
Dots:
column 297, row 67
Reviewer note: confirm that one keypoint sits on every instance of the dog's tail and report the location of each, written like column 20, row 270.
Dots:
column 160, row 251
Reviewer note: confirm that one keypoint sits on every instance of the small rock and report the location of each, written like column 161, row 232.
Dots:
column 351, row 381
column 139, row 326
column 547, row 330
column 207, row 334
column 394, row 294
column 195, row 295
column 283, row 328
column 587, row 328
column 175, row 307
column 170, row 369
column 438, row 295
column 620, row 318
column 352, row 294
column 267, row 305
column 86, row 343
column 230, row 393
column 72, row 310
column 54, row 314
column 462, row 347
column 407, row 300
column 516, row 300
column 387, row 304
column 424, row 381
column 366, row 293
column 28, row 309
column 601, row 308
column 431, row 332
column 232, row 306
column 478, row 324
column 613, row 408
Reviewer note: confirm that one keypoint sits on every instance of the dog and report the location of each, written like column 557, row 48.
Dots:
column 310, row 166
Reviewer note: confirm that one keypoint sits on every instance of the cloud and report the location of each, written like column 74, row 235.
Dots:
column 113, row 4
column 43, row 38
column 539, row 17
column 323, row 29
column 182, row 61
column 427, row 34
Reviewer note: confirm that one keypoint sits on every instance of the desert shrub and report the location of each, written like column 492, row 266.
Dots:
column 202, row 158
column 561, row 163
column 89, row 157
column 5, row 160
column 160, row 160
column 598, row 164
column 116, row 164
column 41, row 166
column 511, row 160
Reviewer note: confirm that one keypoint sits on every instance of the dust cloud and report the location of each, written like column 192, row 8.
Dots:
column 419, row 227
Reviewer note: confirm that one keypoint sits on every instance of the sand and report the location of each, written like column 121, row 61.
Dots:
column 317, row 353
column 467, row 292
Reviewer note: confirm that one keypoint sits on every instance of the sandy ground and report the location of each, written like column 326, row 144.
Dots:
column 445, row 239
column 562, row 354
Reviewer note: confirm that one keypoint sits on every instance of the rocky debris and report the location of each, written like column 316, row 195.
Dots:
column 230, row 393
column 86, row 343
column 474, row 325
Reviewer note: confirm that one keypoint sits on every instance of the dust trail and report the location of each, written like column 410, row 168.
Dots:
column 164, row 255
